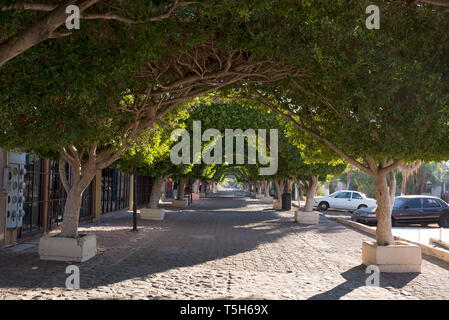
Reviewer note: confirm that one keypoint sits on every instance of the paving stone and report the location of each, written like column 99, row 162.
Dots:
column 218, row 248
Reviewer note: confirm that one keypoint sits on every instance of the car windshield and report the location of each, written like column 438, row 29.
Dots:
column 398, row 202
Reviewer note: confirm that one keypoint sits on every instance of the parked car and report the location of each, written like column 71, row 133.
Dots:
column 410, row 210
column 345, row 199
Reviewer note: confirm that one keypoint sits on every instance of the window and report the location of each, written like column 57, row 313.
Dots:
column 414, row 203
column 356, row 195
column 430, row 203
column 398, row 202
column 442, row 203
column 344, row 195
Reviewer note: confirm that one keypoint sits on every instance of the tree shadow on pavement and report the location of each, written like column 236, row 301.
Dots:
column 356, row 277
column 183, row 239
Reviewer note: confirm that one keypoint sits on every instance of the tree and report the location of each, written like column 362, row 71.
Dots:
column 227, row 120
column 46, row 18
column 306, row 162
column 151, row 154
column 30, row 23
column 381, row 102
column 88, row 108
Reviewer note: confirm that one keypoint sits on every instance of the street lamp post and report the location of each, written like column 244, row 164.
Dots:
column 135, row 199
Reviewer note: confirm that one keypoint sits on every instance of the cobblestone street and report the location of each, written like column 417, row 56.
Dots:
column 225, row 247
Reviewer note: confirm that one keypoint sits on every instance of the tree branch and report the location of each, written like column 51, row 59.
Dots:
column 39, row 31
column 440, row 3
column 63, row 176
column 391, row 167
column 100, row 16
column 314, row 134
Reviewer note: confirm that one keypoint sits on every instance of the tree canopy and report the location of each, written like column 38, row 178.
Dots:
column 375, row 97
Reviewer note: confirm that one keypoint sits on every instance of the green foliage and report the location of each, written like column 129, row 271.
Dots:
column 378, row 93
column 151, row 152
column 381, row 93
column 72, row 90
column 290, row 157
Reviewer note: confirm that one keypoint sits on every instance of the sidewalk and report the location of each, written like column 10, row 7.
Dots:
column 218, row 248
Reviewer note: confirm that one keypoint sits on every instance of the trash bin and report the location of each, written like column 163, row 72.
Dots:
column 286, row 201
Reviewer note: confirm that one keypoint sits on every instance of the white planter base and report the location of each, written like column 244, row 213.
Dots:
column 267, row 200
column 398, row 258
column 277, row 205
column 152, row 214
column 180, row 203
column 302, row 217
column 259, row 196
column 202, row 195
column 56, row 248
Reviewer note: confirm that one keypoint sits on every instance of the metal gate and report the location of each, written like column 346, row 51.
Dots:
column 115, row 189
column 33, row 204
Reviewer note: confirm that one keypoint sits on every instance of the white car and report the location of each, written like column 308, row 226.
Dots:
column 345, row 199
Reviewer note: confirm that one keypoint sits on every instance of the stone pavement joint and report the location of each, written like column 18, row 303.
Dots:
column 222, row 247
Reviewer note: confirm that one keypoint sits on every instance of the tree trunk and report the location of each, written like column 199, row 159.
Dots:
column 72, row 205
column 266, row 186
column 288, row 186
column 404, row 183
column 392, row 187
column 156, row 192
column 279, row 187
column 348, row 177
column 311, row 191
column 259, row 184
column 384, row 235
column 197, row 186
column 71, row 215
column 423, row 183
column 181, row 188
column 300, row 186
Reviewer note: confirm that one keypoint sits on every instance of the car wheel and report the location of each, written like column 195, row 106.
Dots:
column 362, row 206
column 323, row 206
column 444, row 221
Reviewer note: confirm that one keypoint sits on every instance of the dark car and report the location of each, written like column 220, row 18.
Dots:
column 410, row 210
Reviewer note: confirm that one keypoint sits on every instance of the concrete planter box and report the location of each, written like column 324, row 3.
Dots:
column 202, row 195
column 267, row 200
column 303, row 217
column 252, row 194
column 259, row 196
column 152, row 214
column 398, row 258
column 52, row 247
column 277, row 205
column 180, row 203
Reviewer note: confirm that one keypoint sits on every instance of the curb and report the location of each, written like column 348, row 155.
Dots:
column 440, row 254
column 443, row 244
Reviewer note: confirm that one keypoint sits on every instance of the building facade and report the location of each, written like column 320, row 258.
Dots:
column 44, row 197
